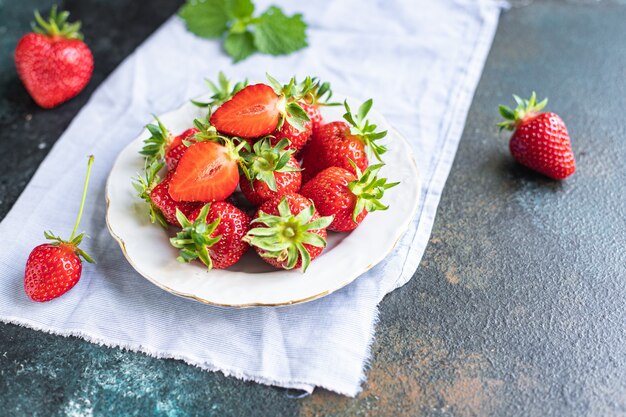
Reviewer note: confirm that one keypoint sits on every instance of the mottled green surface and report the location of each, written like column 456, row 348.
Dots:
column 517, row 308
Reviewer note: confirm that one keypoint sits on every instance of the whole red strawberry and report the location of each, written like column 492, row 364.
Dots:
column 297, row 137
column 341, row 144
column 52, row 269
column 156, row 193
column 53, row 62
column 314, row 113
column 338, row 192
column 318, row 95
column 540, row 140
column 269, row 171
column 213, row 234
column 289, row 232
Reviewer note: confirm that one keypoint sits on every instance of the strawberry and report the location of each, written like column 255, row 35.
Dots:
column 52, row 269
column 251, row 113
column 214, row 234
column 269, row 172
column 177, row 148
column 53, row 62
column 297, row 138
column 318, row 95
column 314, row 113
column 162, row 206
column 289, row 232
column 341, row 144
column 208, row 171
column 258, row 110
column 338, row 192
column 540, row 140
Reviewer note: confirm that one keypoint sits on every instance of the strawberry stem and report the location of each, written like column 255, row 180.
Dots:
column 82, row 202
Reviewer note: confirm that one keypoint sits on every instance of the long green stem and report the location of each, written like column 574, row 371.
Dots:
column 82, row 202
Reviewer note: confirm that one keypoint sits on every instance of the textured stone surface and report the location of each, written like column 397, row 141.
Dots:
column 517, row 308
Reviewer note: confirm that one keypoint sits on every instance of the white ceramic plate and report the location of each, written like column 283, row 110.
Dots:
column 252, row 282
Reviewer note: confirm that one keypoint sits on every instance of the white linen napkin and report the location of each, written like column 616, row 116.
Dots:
column 419, row 60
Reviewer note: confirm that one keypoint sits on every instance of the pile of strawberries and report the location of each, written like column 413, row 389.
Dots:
column 299, row 175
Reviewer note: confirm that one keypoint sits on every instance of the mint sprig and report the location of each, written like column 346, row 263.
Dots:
column 272, row 32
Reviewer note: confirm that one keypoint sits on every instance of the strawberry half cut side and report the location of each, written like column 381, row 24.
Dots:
column 208, row 171
column 251, row 113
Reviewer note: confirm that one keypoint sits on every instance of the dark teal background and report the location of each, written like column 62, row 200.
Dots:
column 517, row 308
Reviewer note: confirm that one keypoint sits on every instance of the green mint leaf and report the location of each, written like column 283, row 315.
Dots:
column 206, row 18
column 278, row 34
column 239, row 45
column 240, row 9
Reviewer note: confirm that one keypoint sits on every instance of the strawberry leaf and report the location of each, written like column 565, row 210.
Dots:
column 240, row 9
column 278, row 34
column 207, row 19
column 239, row 45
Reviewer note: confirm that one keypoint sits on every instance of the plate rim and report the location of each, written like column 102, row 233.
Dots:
column 343, row 284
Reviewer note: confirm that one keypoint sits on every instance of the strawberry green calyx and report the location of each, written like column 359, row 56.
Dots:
column 144, row 184
column 156, row 145
column 207, row 133
column 365, row 130
column 525, row 109
column 57, row 25
column 285, row 235
column 290, row 93
column 369, row 189
column 265, row 160
column 194, row 240
column 75, row 240
column 223, row 91
column 320, row 94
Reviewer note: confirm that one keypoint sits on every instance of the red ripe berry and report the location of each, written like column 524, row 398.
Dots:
column 339, row 143
column 213, row 234
column 156, row 193
column 52, row 269
column 540, row 140
column 166, row 205
column 338, row 192
column 54, row 63
column 297, row 138
column 177, row 148
column 269, row 172
column 289, row 233
column 313, row 111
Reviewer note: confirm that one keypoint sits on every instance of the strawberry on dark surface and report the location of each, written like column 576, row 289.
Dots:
column 339, row 143
column 54, row 63
column 213, row 234
column 52, row 269
column 270, row 171
column 540, row 141
column 287, row 232
column 338, row 192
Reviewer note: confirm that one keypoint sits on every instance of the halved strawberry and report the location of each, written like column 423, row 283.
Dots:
column 251, row 113
column 207, row 172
